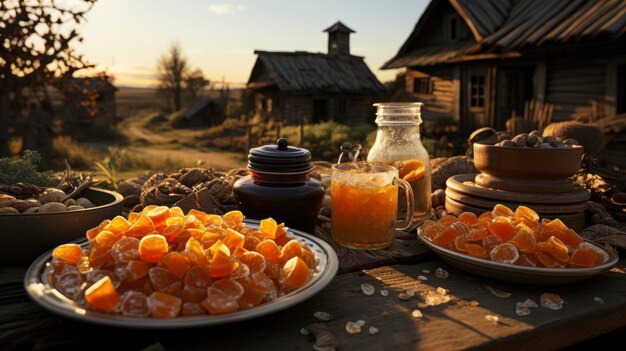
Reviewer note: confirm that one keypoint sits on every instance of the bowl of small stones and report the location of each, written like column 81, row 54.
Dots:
column 34, row 220
column 528, row 156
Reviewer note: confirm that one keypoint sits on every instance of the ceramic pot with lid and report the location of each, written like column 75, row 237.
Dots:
column 279, row 186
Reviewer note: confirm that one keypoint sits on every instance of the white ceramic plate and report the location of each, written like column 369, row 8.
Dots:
column 44, row 294
column 519, row 274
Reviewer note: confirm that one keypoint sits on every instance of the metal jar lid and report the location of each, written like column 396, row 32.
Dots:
column 279, row 159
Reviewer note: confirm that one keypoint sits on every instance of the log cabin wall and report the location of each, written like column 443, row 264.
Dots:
column 437, row 88
column 577, row 88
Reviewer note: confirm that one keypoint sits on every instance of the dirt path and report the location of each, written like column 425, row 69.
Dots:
column 173, row 145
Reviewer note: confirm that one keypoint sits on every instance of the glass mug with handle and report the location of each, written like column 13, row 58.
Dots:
column 365, row 204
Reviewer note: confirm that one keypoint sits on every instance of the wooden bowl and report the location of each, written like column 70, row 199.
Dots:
column 527, row 162
column 26, row 236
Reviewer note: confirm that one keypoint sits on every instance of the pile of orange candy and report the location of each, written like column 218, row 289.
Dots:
column 514, row 238
column 163, row 263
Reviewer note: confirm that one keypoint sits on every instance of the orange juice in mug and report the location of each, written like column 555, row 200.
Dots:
column 365, row 203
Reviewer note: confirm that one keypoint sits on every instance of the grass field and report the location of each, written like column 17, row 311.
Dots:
column 145, row 149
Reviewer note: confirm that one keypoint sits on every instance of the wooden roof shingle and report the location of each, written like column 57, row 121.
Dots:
column 509, row 27
column 302, row 72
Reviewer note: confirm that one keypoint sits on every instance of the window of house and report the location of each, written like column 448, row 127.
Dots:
column 454, row 28
column 477, row 90
column 422, row 85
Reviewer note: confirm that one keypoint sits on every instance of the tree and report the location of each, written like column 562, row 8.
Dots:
column 36, row 38
column 195, row 82
column 172, row 68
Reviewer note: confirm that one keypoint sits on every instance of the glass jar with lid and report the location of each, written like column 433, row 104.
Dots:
column 398, row 143
column 279, row 186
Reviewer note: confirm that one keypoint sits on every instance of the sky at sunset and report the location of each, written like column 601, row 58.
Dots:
column 127, row 36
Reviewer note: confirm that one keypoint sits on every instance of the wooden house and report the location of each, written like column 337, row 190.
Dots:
column 90, row 101
column 482, row 62
column 304, row 87
column 203, row 112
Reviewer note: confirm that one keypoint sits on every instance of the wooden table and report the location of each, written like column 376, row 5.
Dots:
column 458, row 324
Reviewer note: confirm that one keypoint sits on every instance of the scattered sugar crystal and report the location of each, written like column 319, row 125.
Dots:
column 598, row 300
column 551, row 301
column 411, row 292
column 421, row 277
column 304, row 331
column 492, row 318
column 360, row 322
column 353, row 328
column 441, row 273
column 474, row 303
column 417, row 314
column 322, row 316
column 441, row 291
column 372, row 330
column 521, row 310
column 384, row 292
column 528, row 303
column 434, row 298
column 422, row 305
column 403, row 296
column 425, row 271
column 368, row 289
column 498, row 293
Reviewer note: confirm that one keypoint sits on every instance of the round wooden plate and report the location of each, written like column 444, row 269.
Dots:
column 539, row 208
column 464, row 184
column 535, row 186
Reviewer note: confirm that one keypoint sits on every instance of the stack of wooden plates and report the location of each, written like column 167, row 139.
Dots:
column 462, row 194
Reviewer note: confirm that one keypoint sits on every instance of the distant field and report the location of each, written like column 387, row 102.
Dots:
column 132, row 100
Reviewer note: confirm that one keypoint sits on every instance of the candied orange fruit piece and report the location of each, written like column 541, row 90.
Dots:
column 118, row 225
column 504, row 253
column 583, row 257
column 269, row 249
column 102, row 295
column 176, row 263
column 152, row 247
column 68, row 253
column 268, row 228
column 524, row 239
column 448, row 235
column 468, row 218
column 502, row 227
column 233, row 218
column 460, row 244
column 222, row 265
column 141, row 227
column 490, row 242
column 476, row 251
column 291, row 249
column 162, row 305
column 559, row 230
column 218, row 302
column 527, row 215
column 501, row 211
column 295, row 273
column 410, row 170
column 555, row 247
column 476, row 232
column 526, row 260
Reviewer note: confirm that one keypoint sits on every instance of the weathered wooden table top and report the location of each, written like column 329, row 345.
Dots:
column 455, row 325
